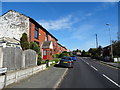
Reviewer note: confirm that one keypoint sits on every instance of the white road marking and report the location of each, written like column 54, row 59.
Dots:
column 111, row 80
column 94, row 68
column 87, row 63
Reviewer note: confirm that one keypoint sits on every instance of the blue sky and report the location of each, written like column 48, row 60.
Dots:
column 74, row 24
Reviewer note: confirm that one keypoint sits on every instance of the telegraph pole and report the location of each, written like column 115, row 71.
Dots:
column 110, row 40
column 96, row 41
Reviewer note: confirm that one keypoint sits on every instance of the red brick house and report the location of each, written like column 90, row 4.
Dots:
column 43, row 38
column 15, row 24
column 61, row 48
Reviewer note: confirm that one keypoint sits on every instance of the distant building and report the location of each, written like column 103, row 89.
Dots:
column 107, row 51
column 78, row 53
column 9, row 42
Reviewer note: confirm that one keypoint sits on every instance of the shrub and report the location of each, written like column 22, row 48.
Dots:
column 56, row 60
column 39, row 62
column 24, row 42
column 61, row 55
column 34, row 46
column 39, row 59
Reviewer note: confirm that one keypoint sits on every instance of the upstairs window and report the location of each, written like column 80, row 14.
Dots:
column 36, row 32
column 47, row 36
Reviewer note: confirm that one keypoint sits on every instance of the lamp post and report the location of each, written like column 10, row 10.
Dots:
column 110, row 40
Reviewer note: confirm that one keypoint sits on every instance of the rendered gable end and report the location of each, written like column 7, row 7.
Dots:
column 51, row 45
column 13, row 25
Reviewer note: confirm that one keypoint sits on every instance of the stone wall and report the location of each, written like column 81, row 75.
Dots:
column 1, row 57
column 16, row 59
column 30, row 59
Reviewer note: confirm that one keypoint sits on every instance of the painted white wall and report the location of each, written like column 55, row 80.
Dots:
column 51, row 45
column 116, row 59
column 13, row 24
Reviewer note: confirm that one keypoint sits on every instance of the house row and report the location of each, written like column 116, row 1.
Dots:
column 13, row 24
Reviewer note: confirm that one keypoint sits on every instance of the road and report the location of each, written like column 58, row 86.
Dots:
column 88, row 73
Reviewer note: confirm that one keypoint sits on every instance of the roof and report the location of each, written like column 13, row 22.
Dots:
column 61, row 45
column 9, row 40
column 32, row 20
column 46, row 44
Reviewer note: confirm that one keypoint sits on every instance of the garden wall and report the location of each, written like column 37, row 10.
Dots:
column 16, row 59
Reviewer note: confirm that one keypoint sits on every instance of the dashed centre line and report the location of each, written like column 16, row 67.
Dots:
column 103, row 74
column 94, row 68
column 111, row 80
column 87, row 63
column 91, row 65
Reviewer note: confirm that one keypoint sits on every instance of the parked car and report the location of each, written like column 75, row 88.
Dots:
column 66, row 62
column 73, row 57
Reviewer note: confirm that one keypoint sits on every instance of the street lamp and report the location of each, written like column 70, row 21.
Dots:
column 110, row 39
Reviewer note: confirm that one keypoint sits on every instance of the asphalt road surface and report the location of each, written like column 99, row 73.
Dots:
column 88, row 73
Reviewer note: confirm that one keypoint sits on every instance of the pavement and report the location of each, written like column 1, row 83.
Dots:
column 112, row 64
column 49, row 78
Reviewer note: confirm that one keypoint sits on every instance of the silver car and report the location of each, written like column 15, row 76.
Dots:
column 66, row 62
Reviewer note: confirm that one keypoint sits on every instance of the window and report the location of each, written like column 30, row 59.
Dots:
column 47, row 36
column 54, row 44
column 36, row 32
column 44, row 52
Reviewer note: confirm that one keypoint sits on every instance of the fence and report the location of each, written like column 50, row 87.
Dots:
column 16, row 59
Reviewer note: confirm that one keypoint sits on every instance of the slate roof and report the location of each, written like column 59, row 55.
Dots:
column 46, row 44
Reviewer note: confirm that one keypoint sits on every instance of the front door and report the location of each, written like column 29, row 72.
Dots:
column 44, row 54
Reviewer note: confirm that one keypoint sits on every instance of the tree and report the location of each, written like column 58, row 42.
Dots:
column 116, row 48
column 34, row 46
column 24, row 41
column 93, row 52
column 99, row 51
column 83, row 53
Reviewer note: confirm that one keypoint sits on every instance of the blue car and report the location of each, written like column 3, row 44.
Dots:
column 73, row 58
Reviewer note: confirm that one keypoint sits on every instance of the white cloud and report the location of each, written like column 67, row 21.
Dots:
column 89, row 14
column 64, row 22
column 59, row 24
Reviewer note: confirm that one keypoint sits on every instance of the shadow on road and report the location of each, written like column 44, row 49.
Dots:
column 59, row 66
